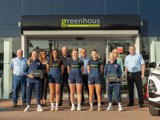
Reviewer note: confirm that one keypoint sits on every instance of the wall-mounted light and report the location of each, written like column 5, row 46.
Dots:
column 19, row 24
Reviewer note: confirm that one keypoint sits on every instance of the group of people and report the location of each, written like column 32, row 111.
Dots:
column 75, row 73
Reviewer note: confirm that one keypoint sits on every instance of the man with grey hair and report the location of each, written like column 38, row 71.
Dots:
column 65, row 57
column 18, row 66
column 135, row 70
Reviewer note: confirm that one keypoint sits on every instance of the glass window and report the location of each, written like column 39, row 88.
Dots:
column 98, row 44
column 39, row 45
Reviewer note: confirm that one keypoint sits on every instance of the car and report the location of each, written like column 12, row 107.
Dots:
column 154, row 89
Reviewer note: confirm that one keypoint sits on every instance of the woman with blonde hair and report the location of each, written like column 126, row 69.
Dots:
column 44, row 86
column 118, row 60
column 34, row 80
column 113, row 74
column 75, row 70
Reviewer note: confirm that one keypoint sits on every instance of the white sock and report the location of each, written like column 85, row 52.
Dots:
column 28, row 106
column 99, row 104
column 39, row 105
column 52, row 104
column 119, row 105
column 73, row 104
column 110, row 105
column 56, row 104
column 91, row 104
column 79, row 104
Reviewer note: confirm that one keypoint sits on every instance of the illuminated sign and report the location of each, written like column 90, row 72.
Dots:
column 81, row 23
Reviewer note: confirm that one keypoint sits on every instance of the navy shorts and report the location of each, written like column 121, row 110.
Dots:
column 94, row 80
column 73, row 79
column 54, row 75
column 56, row 80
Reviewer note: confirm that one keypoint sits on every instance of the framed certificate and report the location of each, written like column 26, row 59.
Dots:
column 37, row 73
column 112, row 78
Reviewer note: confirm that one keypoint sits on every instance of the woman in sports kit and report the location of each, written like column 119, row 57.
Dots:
column 95, row 70
column 33, row 82
column 75, row 70
column 54, row 75
column 113, row 73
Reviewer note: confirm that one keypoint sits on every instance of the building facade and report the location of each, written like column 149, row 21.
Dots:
column 100, row 24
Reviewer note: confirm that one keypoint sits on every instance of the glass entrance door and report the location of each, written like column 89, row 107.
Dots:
column 88, row 43
column 98, row 44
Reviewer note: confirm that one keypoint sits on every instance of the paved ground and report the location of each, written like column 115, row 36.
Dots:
column 130, row 113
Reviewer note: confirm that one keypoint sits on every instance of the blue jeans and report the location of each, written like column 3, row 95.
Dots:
column 37, row 87
column 19, row 82
column 117, row 90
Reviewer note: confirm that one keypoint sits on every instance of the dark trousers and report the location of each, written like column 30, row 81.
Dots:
column 44, row 87
column 85, row 86
column 117, row 91
column 64, row 82
column 131, row 79
column 37, row 86
column 19, row 82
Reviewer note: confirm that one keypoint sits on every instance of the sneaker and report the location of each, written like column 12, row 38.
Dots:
column 78, row 108
column 99, row 108
column 73, row 108
column 56, row 108
column 109, row 108
column 27, row 109
column 120, row 108
column 39, row 109
column 91, row 108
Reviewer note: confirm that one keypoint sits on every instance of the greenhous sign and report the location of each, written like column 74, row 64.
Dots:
column 81, row 23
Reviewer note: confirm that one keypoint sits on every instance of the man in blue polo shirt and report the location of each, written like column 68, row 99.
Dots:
column 18, row 67
column 135, row 69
